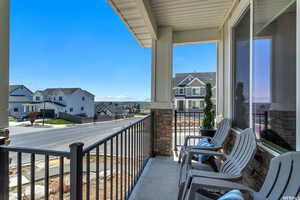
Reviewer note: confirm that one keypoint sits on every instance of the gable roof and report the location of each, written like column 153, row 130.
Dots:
column 66, row 91
column 181, row 79
column 12, row 88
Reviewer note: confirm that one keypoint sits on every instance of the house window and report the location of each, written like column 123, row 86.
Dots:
column 202, row 91
column 181, row 91
column 60, row 98
column 82, row 108
column 241, row 72
column 71, row 109
column 16, row 109
column 196, row 91
column 83, row 98
column 274, row 74
column 37, row 98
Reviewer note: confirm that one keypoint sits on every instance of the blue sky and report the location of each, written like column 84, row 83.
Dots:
column 76, row 43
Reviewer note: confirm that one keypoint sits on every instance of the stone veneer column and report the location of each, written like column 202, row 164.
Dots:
column 162, row 133
column 4, row 66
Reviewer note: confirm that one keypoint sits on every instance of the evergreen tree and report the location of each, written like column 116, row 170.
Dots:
column 208, row 121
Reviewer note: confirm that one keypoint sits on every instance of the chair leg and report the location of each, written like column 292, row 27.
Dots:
column 179, row 157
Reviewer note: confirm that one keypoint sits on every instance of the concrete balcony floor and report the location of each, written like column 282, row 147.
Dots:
column 159, row 180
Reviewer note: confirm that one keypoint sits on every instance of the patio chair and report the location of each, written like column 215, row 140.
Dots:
column 217, row 141
column 231, row 169
column 281, row 182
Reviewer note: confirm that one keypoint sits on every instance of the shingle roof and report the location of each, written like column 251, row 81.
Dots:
column 14, row 87
column 66, row 91
column 206, row 77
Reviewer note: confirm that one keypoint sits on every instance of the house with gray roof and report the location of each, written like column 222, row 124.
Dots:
column 189, row 90
column 74, row 101
column 18, row 95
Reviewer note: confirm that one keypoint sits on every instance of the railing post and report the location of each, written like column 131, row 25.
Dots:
column 175, row 130
column 4, row 172
column 76, row 170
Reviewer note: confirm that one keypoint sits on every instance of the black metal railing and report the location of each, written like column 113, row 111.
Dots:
column 186, row 124
column 107, row 169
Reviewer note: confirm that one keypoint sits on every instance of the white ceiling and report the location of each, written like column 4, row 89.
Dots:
column 180, row 14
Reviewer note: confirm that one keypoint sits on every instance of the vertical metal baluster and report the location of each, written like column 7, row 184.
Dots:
column 32, row 178
column 61, row 178
column 140, row 148
column 189, row 116
column 194, row 124
column 19, row 176
column 133, row 158
column 87, row 176
column 97, row 173
column 122, row 157
column 134, row 153
column 111, row 168
column 117, row 166
column 46, row 183
column 105, row 174
column 129, row 160
column 126, row 149
column 184, row 114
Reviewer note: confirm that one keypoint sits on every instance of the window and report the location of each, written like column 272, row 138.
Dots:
column 60, row 98
column 82, row 108
column 71, row 109
column 16, row 109
column 241, row 72
column 54, row 99
column 83, row 98
column 181, row 91
column 274, row 74
column 196, row 91
column 194, row 104
column 37, row 98
column 202, row 91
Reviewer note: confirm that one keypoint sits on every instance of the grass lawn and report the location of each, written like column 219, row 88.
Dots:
column 57, row 121
column 12, row 119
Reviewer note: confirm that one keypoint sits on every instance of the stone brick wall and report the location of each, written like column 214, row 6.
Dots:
column 284, row 124
column 255, row 173
column 162, row 131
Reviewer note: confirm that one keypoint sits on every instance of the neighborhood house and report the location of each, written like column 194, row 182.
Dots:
column 18, row 95
column 189, row 90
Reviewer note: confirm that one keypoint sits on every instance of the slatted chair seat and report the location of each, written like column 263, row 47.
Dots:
column 217, row 141
column 281, row 182
column 231, row 169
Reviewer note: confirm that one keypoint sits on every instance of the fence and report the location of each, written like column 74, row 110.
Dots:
column 108, row 169
column 185, row 124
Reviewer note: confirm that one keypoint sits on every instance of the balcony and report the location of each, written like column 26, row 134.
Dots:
column 256, row 59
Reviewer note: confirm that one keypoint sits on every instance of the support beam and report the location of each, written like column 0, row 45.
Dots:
column 4, row 63
column 162, row 58
column 145, row 9
column 196, row 36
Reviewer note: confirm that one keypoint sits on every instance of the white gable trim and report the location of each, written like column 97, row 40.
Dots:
column 196, row 79
column 185, row 78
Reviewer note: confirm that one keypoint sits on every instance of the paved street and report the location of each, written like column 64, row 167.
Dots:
column 61, row 138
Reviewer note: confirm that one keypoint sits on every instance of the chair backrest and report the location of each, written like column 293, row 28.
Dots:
column 283, row 178
column 222, row 132
column 242, row 153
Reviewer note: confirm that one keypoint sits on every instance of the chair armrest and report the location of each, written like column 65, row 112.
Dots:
column 216, row 175
column 213, row 148
column 221, row 184
column 187, row 138
column 192, row 152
